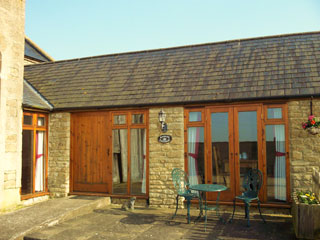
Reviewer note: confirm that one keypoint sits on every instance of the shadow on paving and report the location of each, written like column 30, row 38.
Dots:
column 147, row 223
column 277, row 227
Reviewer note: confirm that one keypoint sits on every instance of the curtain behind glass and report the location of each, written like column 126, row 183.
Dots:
column 138, row 161
column 196, row 155
column 39, row 168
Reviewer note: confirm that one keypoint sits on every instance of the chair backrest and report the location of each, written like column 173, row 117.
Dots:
column 180, row 181
column 252, row 183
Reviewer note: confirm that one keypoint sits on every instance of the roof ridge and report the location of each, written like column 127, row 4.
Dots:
column 184, row 46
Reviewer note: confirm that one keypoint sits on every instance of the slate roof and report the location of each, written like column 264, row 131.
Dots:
column 32, row 99
column 268, row 67
column 34, row 52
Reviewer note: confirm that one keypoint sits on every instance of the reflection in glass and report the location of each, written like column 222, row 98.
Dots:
column 274, row 113
column 27, row 162
column 120, row 119
column 27, row 119
column 276, row 162
column 41, row 121
column 196, row 155
column 119, row 161
column 40, row 162
column 248, row 144
column 137, row 118
column 220, row 148
column 138, row 161
column 194, row 116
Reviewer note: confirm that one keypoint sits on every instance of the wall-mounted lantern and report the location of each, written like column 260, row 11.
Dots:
column 162, row 120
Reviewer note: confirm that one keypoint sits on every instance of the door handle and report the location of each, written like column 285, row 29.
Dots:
column 108, row 152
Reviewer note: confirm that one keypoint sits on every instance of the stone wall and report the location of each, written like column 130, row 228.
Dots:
column 163, row 157
column 11, row 87
column 59, row 154
column 316, row 183
column 304, row 147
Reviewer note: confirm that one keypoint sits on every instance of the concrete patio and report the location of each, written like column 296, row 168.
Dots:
column 93, row 218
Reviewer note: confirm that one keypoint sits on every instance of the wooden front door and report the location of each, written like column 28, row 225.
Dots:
column 90, row 152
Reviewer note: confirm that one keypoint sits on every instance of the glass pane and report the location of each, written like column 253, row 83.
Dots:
column 138, row 161
column 196, row 155
column 41, row 121
column 27, row 162
column 248, row 144
column 194, row 116
column 120, row 119
column 276, row 162
column 40, row 162
column 27, row 119
column 274, row 113
column 220, row 148
column 119, row 160
column 137, row 118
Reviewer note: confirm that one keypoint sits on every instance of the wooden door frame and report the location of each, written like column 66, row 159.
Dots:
column 262, row 121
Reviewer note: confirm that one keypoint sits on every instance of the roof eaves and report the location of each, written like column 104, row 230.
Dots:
column 42, row 52
column 29, row 85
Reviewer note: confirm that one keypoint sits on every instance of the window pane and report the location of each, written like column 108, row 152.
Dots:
column 220, row 148
column 40, row 162
column 120, row 161
column 27, row 162
column 248, row 144
column 27, row 119
column 138, row 161
column 120, row 119
column 137, row 118
column 194, row 116
column 41, row 121
column 274, row 113
column 276, row 162
column 196, row 155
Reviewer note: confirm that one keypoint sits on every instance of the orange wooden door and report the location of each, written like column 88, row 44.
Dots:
column 220, row 154
column 247, row 142
column 90, row 152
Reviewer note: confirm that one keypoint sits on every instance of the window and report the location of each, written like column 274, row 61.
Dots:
column 276, row 153
column 129, row 153
column 34, row 155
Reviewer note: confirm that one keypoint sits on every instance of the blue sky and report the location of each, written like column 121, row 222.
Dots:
column 79, row 28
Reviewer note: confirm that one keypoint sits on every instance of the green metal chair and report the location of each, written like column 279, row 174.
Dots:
column 181, row 183
column 252, row 183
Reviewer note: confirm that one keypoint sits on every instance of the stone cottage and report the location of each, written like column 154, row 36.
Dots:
column 229, row 106
column 116, row 125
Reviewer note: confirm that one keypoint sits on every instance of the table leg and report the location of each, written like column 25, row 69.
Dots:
column 218, row 208
column 205, row 210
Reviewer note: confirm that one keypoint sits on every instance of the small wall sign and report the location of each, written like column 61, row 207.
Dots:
column 164, row 138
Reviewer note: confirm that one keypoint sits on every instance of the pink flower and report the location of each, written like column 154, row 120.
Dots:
column 311, row 117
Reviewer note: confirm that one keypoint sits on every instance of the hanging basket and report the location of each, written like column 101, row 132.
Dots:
column 313, row 130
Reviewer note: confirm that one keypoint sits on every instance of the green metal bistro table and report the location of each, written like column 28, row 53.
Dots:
column 203, row 189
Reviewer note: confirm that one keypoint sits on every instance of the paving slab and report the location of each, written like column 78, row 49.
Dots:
column 111, row 222
column 15, row 225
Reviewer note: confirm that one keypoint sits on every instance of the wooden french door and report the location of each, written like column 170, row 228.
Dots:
column 234, row 144
column 90, row 152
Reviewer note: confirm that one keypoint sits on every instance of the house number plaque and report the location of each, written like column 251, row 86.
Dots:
column 164, row 138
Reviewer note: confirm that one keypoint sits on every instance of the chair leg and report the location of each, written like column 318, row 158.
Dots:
column 247, row 206
column 188, row 210
column 177, row 200
column 264, row 221
column 234, row 208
